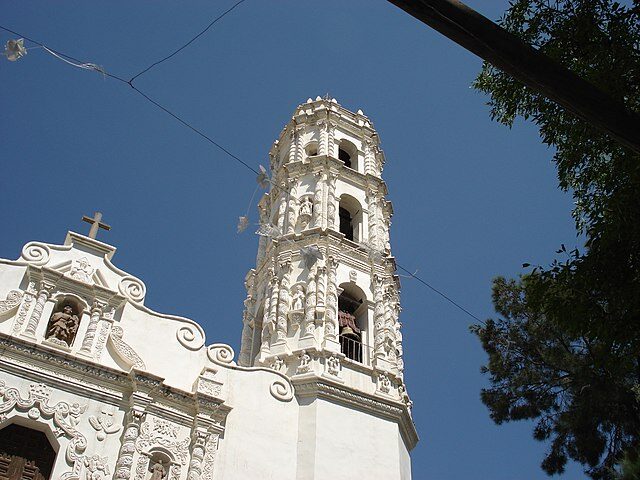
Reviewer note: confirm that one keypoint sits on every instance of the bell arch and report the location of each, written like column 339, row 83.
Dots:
column 350, row 218
column 352, row 321
column 348, row 154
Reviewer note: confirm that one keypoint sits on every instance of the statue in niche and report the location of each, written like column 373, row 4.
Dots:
column 306, row 207
column 158, row 471
column 63, row 326
column 298, row 298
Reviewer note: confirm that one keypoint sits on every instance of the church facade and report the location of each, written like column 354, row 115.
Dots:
column 317, row 390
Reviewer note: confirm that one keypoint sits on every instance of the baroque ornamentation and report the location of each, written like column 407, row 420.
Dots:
column 81, row 270
column 163, row 434
column 384, row 383
column 96, row 467
column 65, row 417
column 333, row 365
column 128, row 447
column 11, row 301
column 190, row 336
column 104, row 425
column 24, row 308
column 132, row 288
column 305, row 362
column 124, row 351
column 36, row 253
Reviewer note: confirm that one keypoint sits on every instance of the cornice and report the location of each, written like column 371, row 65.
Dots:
column 320, row 387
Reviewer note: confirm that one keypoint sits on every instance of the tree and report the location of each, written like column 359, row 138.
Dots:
column 565, row 350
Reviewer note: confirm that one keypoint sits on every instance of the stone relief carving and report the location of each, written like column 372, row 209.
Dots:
column 81, row 270
column 123, row 350
column 63, row 326
column 277, row 364
column 306, row 211
column 36, row 253
column 96, row 467
column 281, row 388
column 128, row 447
column 384, row 383
column 28, row 297
column 207, row 383
column 163, row 434
column 333, row 365
column 190, row 336
column 305, row 362
column 11, row 301
column 102, row 339
column 209, row 456
column 104, row 425
column 132, row 288
column 65, row 418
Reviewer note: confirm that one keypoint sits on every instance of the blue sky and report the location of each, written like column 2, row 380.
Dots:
column 472, row 199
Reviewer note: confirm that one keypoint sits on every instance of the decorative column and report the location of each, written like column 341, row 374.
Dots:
column 331, row 141
column 321, row 287
column 128, row 448
column 292, row 208
column 29, row 295
column 198, row 443
column 331, row 201
column 372, row 207
column 331, row 324
column 262, row 241
column 323, row 145
column 299, row 146
column 247, row 331
column 310, row 305
column 317, row 200
column 378, row 317
column 34, row 320
column 266, row 330
column 283, row 304
column 369, row 158
column 293, row 135
column 96, row 313
column 282, row 206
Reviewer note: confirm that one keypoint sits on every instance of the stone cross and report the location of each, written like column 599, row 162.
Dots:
column 95, row 224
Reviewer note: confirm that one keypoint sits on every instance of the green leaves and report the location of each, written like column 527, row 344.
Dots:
column 565, row 349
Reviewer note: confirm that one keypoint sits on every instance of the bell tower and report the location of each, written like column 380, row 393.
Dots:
column 322, row 303
column 324, row 284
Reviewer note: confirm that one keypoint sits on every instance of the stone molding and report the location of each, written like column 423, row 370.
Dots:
column 320, row 387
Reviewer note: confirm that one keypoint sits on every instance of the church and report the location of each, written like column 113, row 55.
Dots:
column 95, row 385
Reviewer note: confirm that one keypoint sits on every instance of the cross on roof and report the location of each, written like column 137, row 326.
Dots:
column 95, row 224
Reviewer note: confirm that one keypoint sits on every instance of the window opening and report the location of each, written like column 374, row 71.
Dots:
column 346, row 223
column 345, row 157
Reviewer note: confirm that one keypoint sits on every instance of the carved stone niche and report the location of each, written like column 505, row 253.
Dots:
column 158, row 465
column 305, row 212
column 64, row 322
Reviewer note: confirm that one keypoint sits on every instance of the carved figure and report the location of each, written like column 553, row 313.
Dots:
column 306, row 207
column 158, row 471
column 298, row 298
column 63, row 325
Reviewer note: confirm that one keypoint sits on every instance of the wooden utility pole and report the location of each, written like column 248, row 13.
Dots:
column 507, row 52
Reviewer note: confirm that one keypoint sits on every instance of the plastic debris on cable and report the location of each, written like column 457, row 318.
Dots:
column 243, row 223
column 263, row 178
column 15, row 49
column 268, row 230
column 374, row 253
column 310, row 255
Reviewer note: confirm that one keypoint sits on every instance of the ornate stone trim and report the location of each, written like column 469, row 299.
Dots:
column 124, row 351
column 314, row 387
column 11, row 301
column 65, row 417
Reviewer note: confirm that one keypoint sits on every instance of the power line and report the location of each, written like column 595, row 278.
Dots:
column 213, row 142
column 141, row 93
column 219, row 17
column 452, row 302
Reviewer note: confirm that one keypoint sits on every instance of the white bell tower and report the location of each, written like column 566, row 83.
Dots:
column 323, row 301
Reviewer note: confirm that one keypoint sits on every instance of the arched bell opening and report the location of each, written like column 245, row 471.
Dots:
column 25, row 453
column 350, row 216
column 352, row 320
column 348, row 153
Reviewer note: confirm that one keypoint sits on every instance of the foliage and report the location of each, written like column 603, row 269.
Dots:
column 566, row 348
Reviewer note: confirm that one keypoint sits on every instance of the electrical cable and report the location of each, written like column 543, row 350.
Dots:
column 91, row 66
column 186, row 44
